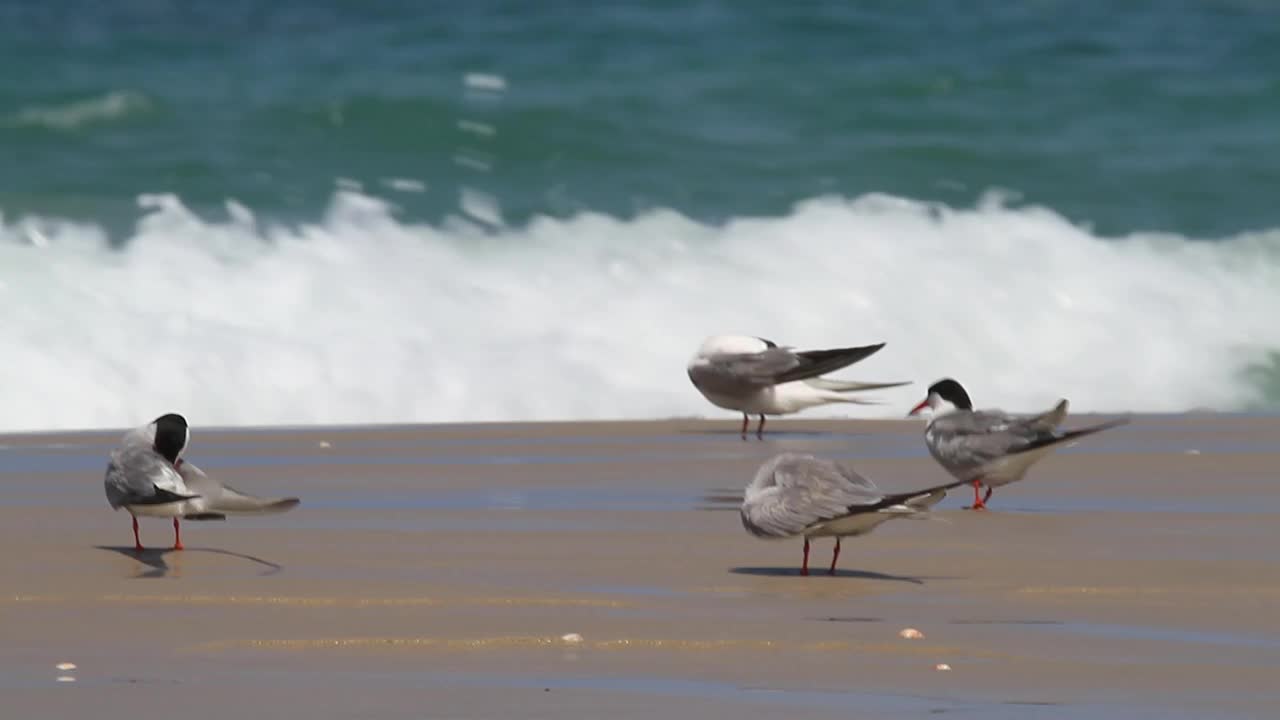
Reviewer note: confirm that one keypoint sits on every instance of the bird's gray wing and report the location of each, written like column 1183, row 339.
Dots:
column 965, row 442
column 137, row 475
column 999, row 447
column 731, row 373
column 792, row 492
column 217, row 499
column 820, row 362
column 741, row 373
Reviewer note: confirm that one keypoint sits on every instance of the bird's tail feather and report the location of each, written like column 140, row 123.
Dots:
column 850, row 400
column 1053, row 418
column 850, row 385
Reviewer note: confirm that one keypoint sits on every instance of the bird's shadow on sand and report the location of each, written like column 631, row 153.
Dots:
column 822, row 573
column 157, row 567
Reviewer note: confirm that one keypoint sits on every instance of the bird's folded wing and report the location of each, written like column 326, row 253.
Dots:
column 792, row 492
column 974, row 439
column 137, row 475
column 813, row 363
column 746, row 372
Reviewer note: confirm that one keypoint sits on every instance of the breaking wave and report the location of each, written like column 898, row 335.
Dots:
column 360, row 318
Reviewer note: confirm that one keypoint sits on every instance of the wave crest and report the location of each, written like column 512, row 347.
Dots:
column 360, row 318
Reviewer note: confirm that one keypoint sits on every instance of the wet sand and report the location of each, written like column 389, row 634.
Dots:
column 431, row 572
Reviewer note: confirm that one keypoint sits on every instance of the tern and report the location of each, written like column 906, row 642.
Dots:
column 795, row 494
column 148, row 476
column 755, row 376
column 991, row 448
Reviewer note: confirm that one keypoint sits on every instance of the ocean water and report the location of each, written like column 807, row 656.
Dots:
column 344, row 212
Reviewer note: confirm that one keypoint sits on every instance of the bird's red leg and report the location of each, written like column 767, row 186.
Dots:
column 745, row 420
column 978, row 503
column 177, row 536
column 760, row 430
column 986, row 497
column 804, row 569
column 137, row 544
column 835, row 554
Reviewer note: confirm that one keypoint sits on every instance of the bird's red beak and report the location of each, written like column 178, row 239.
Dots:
column 923, row 404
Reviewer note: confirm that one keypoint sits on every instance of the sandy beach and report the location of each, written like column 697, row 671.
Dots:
column 432, row 572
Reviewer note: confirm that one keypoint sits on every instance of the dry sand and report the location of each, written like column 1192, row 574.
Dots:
column 432, row 571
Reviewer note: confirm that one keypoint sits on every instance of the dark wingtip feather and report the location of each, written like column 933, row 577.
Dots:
column 899, row 498
column 161, row 497
column 1074, row 434
column 820, row 362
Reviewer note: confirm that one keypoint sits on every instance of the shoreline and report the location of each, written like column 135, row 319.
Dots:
column 1124, row 576
column 817, row 421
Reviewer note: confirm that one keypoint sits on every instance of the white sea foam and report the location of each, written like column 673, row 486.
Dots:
column 485, row 81
column 362, row 318
column 477, row 128
column 408, row 185
column 78, row 113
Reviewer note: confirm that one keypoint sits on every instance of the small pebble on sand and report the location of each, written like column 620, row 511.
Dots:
column 324, row 444
column 66, row 678
column 911, row 634
column 942, row 666
column 65, row 666
column 571, row 638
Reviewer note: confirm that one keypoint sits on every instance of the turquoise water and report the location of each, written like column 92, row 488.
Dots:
column 1071, row 198
column 1133, row 116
